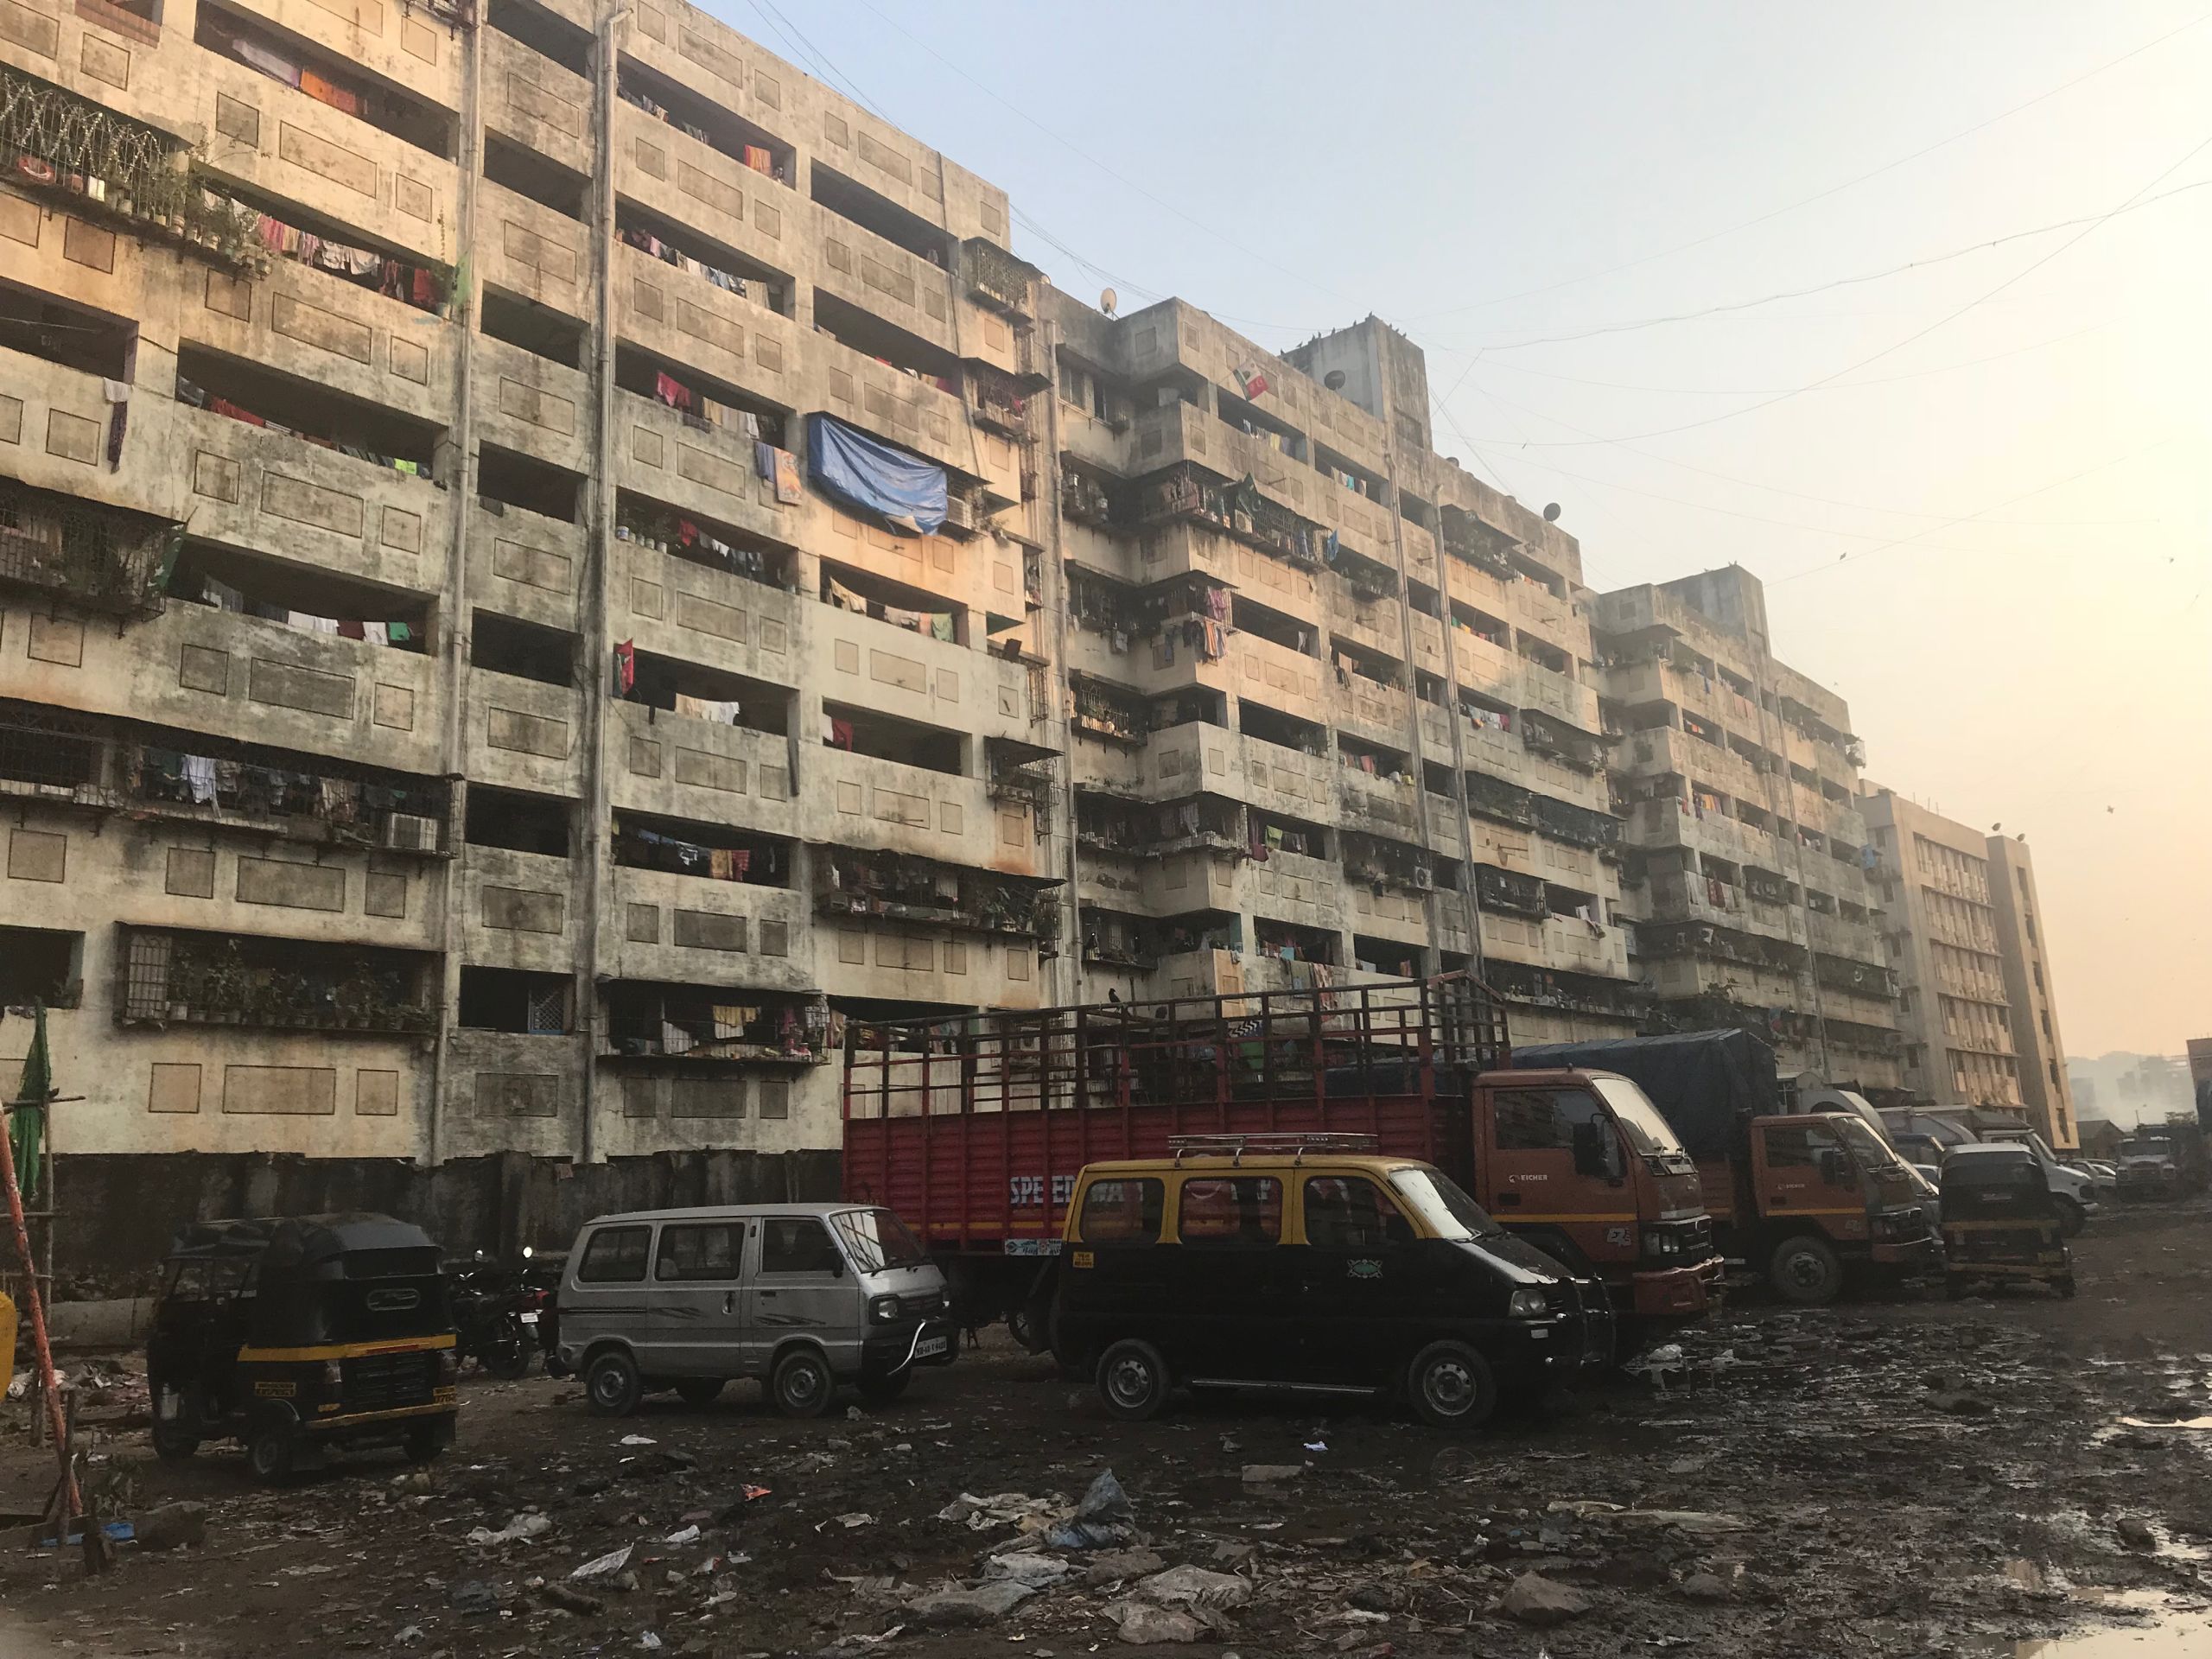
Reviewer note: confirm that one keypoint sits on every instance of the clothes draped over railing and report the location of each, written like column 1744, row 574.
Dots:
column 198, row 397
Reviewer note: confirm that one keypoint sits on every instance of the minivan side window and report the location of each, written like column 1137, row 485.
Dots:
column 1214, row 1212
column 615, row 1255
column 1122, row 1212
column 1542, row 1120
column 1347, row 1213
column 797, row 1244
column 700, row 1251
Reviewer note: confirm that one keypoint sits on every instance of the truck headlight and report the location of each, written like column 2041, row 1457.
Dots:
column 1658, row 1243
column 1527, row 1305
column 883, row 1310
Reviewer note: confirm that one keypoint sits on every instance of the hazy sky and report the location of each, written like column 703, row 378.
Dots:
column 2023, row 487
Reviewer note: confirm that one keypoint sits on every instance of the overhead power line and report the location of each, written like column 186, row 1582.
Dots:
column 1822, row 195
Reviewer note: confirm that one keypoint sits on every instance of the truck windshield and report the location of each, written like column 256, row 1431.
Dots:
column 1440, row 1203
column 2146, row 1149
column 1868, row 1150
column 1647, row 1132
column 877, row 1239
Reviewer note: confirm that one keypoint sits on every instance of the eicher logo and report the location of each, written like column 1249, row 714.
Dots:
column 393, row 1301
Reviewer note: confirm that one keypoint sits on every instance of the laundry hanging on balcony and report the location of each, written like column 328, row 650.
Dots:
column 906, row 492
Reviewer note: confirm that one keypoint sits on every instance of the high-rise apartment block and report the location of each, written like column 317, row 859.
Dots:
column 1976, row 998
column 1747, row 861
column 549, row 561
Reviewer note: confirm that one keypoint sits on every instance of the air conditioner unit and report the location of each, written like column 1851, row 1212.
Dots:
column 959, row 513
column 403, row 832
column 1424, row 879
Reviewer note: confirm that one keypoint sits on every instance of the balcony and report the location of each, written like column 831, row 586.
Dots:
column 710, row 473
column 889, row 806
column 692, row 612
column 65, row 550
column 169, row 977
column 524, row 564
column 525, row 733
column 532, row 405
column 529, row 249
column 519, row 910
column 674, row 766
column 665, row 927
column 537, row 104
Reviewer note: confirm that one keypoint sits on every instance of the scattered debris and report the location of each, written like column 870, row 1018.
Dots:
column 604, row 1566
column 527, row 1524
column 173, row 1526
column 1272, row 1474
column 1105, row 1520
column 1535, row 1600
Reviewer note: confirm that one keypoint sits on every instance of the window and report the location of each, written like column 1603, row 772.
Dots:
column 616, row 1255
column 1347, row 1213
column 797, row 1244
column 876, row 1239
column 207, row 1280
column 1797, row 1148
column 1123, row 1212
column 710, row 1251
column 1241, row 1210
column 1542, row 1120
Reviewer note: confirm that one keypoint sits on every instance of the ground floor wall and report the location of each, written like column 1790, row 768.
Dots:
column 117, row 1212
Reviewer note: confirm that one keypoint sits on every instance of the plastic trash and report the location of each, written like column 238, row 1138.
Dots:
column 1105, row 1520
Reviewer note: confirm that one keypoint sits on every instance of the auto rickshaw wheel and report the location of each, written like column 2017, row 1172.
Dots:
column 272, row 1446
column 882, row 1390
column 173, row 1442
column 801, row 1384
column 428, row 1438
column 612, row 1385
column 1451, row 1386
column 698, row 1390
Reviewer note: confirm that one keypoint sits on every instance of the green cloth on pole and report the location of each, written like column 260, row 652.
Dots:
column 27, row 1123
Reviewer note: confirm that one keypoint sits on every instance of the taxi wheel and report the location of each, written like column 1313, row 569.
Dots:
column 1954, row 1287
column 1451, row 1386
column 698, row 1390
column 1133, row 1380
column 272, row 1447
column 1805, row 1270
column 801, row 1385
column 2064, row 1284
column 612, row 1385
column 2072, row 1218
column 428, row 1440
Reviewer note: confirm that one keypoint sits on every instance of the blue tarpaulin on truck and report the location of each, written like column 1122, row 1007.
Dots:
column 1704, row 1082
column 906, row 492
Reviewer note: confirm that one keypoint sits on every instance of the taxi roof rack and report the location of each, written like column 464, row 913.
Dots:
column 1293, row 1142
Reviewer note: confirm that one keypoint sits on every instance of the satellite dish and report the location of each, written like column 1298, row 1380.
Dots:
column 1334, row 380
column 1551, row 512
column 1107, row 301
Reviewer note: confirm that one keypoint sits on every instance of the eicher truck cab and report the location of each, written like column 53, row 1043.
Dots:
column 1805, row 1199
column 974, row 1128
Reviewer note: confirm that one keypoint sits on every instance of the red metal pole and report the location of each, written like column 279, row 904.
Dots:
column 49, row 1386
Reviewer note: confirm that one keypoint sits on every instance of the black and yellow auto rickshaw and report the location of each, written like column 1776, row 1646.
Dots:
column 295, row 1335
column 2001, row 1223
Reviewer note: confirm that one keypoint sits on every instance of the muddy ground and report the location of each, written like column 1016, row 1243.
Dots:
column 1900, row 1478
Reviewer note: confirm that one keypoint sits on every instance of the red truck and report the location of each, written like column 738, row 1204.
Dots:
column 974, row 1128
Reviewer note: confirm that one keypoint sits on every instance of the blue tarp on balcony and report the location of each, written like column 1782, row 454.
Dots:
column 844, row 462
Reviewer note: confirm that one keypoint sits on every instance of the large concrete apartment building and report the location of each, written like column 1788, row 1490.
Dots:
column 1746, row 862
column 1977, row 999
column 471, row 729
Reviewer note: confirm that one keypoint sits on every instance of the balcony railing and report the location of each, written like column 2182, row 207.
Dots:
column 94, row 557
column 215, row 979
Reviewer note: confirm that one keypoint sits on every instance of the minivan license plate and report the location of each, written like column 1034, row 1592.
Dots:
column 931, row 1347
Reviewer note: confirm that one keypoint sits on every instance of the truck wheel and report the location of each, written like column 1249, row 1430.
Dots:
column 801, row 1384
column 698, row 1390
column 1133, row 1380
column 1451, row 1386
column 271, row 1447
column 612, row 1385
column 1805, row 1270
column 2072, row 1218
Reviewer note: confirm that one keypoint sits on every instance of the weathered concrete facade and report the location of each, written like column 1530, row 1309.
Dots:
column 1331, row 696
column 1976, row 998
column 1748, row 867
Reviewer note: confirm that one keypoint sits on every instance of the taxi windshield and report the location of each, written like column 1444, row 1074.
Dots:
column 1444, row 1207
column 1647, row 1133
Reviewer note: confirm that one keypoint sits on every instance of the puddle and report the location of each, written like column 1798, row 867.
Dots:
column 2171, row 1635
column 2157, row 1422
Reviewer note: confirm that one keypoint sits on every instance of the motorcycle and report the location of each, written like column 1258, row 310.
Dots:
column 541, row 1312
column 488, row 1317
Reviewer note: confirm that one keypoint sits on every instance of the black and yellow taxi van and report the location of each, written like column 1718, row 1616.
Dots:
column 2002, row 1223
column 1305, row 1263
column 299, row 1334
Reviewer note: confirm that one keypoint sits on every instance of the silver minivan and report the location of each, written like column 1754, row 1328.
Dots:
column 803, row 1296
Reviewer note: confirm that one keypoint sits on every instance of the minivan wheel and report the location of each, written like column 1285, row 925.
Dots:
column 1805, row 1270
column 802, row 1383
column 698, row 1390
column 882, row 1390
column 1451, row 1386
column 1133, row 1380
column 612, row 1385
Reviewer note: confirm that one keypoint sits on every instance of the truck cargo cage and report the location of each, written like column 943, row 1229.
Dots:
column 1296, row 1143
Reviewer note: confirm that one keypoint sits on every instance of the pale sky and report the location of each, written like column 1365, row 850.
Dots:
column 2022, row 630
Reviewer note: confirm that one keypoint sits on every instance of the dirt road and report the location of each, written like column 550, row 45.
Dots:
column 1888, row 1479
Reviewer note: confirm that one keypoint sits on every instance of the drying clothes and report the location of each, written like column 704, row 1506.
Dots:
column 941, row 626
column 841, row 734
column 790, row 486
column 671, row 391
column 275, row 65
column 722, row 712
column 200, row 779
column 625, row 668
